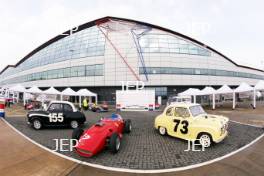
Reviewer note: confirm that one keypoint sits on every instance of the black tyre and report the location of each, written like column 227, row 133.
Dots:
column 128, row 126
column 114, row 143
column 76, row 134
column 37, row 124
column 74, row 124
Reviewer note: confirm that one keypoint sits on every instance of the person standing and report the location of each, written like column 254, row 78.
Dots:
column 85, row 104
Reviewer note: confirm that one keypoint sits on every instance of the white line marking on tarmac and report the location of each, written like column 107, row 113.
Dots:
column 136, row 170
column 258, row 126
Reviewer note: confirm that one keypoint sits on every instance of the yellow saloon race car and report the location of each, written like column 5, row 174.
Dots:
column 190, row 122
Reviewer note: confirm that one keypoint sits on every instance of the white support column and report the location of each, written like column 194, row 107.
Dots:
column 194, row 98
column 213, row 101
column 61, row 97
column 254, row 98
column 90, row 99
column 234, row 100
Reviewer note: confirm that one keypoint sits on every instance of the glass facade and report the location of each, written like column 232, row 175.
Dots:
column 78, row 71
column 85, row 43
column 159, row 91
column 198, row 71
column 164, row 43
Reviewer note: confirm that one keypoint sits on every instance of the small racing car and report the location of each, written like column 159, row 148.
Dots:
column 105, row 106
column 98, row 108
column 32, row 105
column 58, row 113
column 190, row 122
column 107, row 132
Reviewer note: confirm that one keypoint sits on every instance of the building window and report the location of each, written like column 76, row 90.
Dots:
column 94, row 70
column 85, row 43
column 197, row 71
column 78, row 71
column 165, row 43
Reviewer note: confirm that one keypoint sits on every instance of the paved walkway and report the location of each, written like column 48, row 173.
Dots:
column 18, row 156
column 21, row 157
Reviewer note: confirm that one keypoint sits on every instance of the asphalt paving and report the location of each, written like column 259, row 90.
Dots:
column 143, row 148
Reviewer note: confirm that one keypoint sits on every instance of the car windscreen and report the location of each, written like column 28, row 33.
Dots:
column 197, row 110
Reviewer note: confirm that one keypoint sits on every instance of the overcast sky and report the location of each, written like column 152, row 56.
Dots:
column 234, row 28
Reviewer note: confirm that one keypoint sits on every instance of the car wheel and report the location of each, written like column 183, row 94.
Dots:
column 74, row 124
column 114, row 143
column 76, row 134
column 37, row 124
column 162, row 131
column 128, row 126
column 205, row 140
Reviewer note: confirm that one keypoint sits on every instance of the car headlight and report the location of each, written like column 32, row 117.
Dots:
column 223, row 128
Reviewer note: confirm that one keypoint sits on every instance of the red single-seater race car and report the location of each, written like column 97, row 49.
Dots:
column 106, row 133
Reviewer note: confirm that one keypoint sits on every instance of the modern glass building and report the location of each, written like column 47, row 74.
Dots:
column 100, row 54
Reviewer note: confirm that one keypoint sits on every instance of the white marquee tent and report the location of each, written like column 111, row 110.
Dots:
column 209, row 91
column 18, row 88
column 191, row 92
column 52, row 91
column 225, row 89
column 258, row 86
column 34, row 89
column 86, row 93
column 68, row 91
column 243, row 87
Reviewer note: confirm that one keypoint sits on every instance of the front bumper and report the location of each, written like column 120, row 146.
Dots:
column 221, row 138
column 84, row 153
